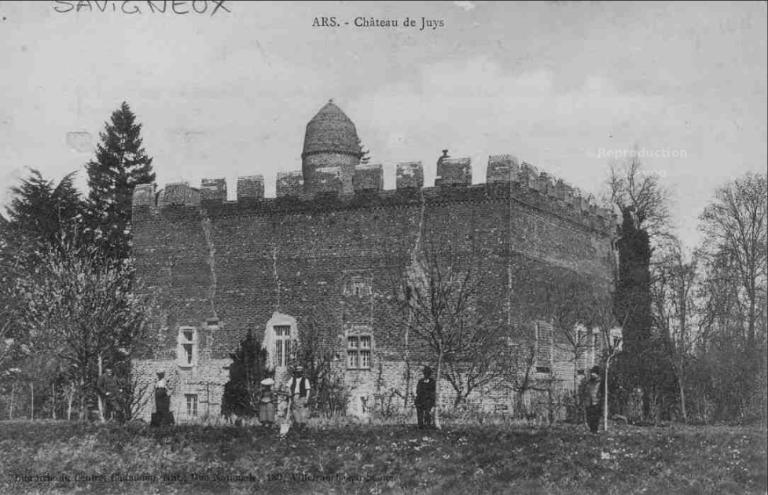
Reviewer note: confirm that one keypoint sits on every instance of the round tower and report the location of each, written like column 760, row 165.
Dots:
column 331, row 151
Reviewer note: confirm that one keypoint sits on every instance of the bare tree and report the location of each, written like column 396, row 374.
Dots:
column 441, row 303
column 315, row 352
column 735, row 228
column 576, row 307
column 632, row 189
column 674, row 310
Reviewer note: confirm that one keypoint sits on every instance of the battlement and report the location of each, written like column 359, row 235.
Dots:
column 506, row 179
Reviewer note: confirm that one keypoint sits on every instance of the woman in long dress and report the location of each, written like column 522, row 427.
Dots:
column 162, row 402
column 266, row 403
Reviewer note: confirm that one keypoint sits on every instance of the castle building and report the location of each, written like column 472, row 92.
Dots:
column 327, row 256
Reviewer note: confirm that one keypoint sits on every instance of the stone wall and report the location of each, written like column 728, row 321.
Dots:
column 242, row 261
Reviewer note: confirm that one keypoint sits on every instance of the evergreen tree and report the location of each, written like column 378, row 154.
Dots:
column 40, row 213
column 642, row 202
column 365, row 154
column 248, row 368
column 120, row 165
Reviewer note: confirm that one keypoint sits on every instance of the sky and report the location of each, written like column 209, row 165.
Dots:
column 567, row 87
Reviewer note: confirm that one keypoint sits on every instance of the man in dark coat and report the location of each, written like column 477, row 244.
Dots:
column 425, row 398
column 592, row 397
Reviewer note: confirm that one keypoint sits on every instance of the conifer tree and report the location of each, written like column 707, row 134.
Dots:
column 121, row 163
column 248, row 368
column 40, row 213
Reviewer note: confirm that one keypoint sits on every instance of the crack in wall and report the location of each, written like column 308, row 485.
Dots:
column 415, row 276
column 208, row 233
column 277, row 278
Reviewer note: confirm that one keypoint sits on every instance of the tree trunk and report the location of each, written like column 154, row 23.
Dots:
column 682, row 399
column 437, row 388
column 32, row 401
column 53, row 401
column 605, row 394
column 407, row 362
column 99, row 399
column 70, row 398
column 83, row 409
column 10, row 406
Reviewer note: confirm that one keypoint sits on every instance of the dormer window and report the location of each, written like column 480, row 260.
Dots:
column 187, row 348
column 358, row 286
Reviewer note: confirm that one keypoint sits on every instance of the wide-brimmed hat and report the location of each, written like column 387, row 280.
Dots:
column 267, row 381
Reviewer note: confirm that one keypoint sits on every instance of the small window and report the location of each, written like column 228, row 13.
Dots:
column 359, row 352
column 544, row 345
column 191, row 404
column 186, row 353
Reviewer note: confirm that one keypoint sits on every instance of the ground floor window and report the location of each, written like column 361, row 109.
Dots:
column 359, row 351
column 282, row 345
column 191, row 404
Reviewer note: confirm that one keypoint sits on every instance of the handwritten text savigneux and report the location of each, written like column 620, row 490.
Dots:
column 137, row 7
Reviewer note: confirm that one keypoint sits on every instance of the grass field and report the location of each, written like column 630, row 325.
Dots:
column 60, row 457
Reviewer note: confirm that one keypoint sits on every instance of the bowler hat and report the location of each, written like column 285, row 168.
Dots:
column 595, row 370
column 427, row 370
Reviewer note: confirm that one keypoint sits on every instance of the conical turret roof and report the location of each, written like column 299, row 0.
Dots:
column 331, row 131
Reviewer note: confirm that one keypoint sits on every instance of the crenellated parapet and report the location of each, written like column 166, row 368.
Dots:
column 409, row 175
column 213, row 190
column 289, row 184
column 507, row 179
column 368, row 178
column 452, row 172
column 250, row 188
column 178, row 194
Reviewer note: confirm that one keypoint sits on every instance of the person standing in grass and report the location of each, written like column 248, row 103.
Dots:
column 593, row 399
column 425, row 398
column 298, row 391
column 266, row 403
column 162, row 416
column 110, row 393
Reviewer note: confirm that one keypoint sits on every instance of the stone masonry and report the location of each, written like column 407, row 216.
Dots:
column 333, row 247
